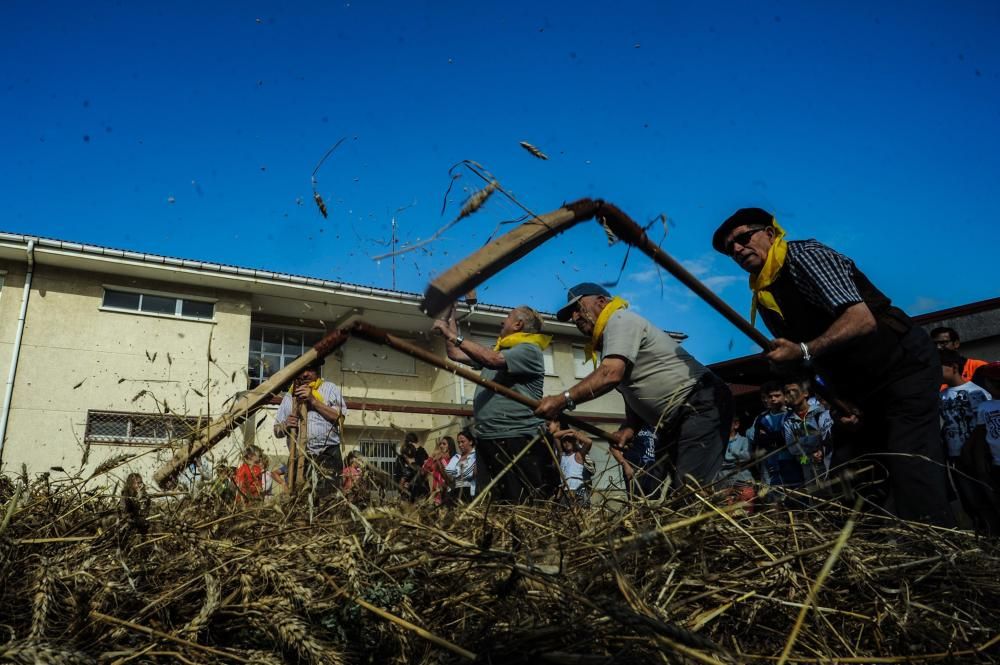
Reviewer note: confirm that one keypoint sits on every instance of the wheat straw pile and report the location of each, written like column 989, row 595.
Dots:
column 207, row 583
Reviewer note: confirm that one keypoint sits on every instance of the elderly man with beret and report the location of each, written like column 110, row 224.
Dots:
column 663, row 385
column 824, row 311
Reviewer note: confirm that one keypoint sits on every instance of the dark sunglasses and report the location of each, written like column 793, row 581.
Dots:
column 742, row 238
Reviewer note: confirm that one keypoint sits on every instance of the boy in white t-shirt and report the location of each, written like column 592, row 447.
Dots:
column 980, row 459
column 959, row 404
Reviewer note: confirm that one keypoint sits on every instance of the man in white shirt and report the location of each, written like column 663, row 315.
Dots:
column 325, row 408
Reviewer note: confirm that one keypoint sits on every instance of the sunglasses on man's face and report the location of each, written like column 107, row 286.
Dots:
column 742, row 238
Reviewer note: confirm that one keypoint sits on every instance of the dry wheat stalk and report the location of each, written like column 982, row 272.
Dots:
column 42, row 600
column 533, row 150
column 264, row 658
column 477, row 199
column 111, row 463
column 276, row 617
column 33, row 652
column 320, row 204
column 282, row 581
column 213, row 598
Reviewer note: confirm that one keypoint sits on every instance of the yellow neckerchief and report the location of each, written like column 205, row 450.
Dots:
column 513, row 339
column 602, row 320
column 768, row 274
column 314, row 385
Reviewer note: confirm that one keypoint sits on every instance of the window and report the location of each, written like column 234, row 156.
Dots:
column 547, row 355
column 158, row 304
column 582, row 365
column 144, row 429
column 271, row 348
column 363, row 356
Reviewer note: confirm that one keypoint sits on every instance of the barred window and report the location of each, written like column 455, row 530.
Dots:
column 380, row 453
column 271, row 348
column 157, row 303
column 143, row 429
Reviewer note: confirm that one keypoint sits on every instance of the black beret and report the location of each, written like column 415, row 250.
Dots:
column 743, row 216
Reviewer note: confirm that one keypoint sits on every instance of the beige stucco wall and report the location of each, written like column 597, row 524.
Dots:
column 76, row 357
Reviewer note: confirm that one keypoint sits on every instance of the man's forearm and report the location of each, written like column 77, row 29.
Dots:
column 482, row 356
column 601, row 381
column 854, row 322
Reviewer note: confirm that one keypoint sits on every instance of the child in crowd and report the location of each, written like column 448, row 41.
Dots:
column 250, row 476
column 351, row 475
column 978, row 480
column 808, row 428
column 574, row 447
column 959, row 404
column 644, row 465
column 734, row 476
column 767, row 439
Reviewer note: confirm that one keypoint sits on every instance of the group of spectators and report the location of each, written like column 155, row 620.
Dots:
column 445, row 477
column 970, row 430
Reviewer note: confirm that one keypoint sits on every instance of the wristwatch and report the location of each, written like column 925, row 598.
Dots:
column 806, row 356
column 570, row 404
column 458, row 340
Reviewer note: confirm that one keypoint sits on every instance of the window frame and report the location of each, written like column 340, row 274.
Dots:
column 178, row 298
column 577, row 368
column 177, row 428
column 260, row 354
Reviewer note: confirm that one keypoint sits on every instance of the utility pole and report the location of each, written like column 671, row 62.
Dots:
column 393, row 252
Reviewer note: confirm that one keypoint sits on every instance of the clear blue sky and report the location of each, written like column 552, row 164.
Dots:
column 191, row 129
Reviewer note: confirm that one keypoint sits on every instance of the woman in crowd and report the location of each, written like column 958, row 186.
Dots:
column 461, row 469
column 434, row 468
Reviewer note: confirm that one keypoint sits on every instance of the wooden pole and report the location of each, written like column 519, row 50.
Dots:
column 370, row 333
column 631, row 233
column 505, row 250
column 245, row 405
column 463, row 277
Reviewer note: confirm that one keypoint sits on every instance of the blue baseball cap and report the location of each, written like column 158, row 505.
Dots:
column 574, row 294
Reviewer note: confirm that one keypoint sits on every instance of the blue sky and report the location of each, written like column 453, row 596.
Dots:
column 192, row 130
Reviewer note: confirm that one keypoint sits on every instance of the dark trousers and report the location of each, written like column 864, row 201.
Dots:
column 901, row 432
column 698, row 434
column 328, row 466
column 533, row 477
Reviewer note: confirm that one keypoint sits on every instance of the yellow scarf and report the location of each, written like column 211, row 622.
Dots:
column 315, row 390
column 602, row 320
column 768, row 274
column 513, row 339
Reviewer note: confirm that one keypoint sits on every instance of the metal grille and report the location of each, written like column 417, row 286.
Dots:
column 144, row 429
column 380, row 453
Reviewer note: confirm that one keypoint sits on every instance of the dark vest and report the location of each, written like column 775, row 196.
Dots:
column 861, row 366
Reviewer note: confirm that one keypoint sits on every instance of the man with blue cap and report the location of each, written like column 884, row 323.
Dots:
column 663, row 385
